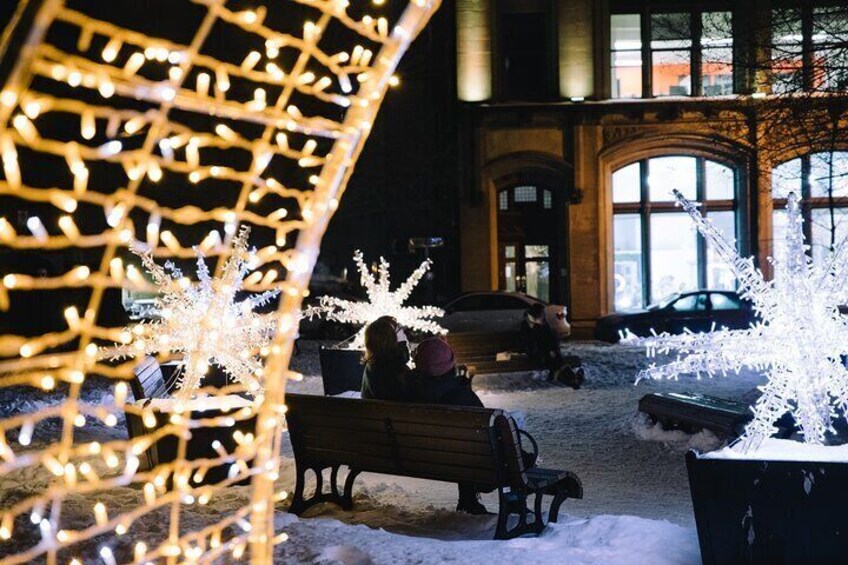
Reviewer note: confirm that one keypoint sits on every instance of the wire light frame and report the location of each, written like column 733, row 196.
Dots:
column 168, row 136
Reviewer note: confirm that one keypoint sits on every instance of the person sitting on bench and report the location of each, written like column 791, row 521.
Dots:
column 435, row 380
column 386, row 361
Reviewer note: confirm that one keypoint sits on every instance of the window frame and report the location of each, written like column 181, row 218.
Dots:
column 809, row 48
column 645, row 207
column 808, row 201
column 695, row 11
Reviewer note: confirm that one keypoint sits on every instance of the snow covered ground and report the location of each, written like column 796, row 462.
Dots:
column 636, row 506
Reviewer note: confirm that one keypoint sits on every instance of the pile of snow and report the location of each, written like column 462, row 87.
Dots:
column 607, row 540
column 773, row 449
column 646, row 430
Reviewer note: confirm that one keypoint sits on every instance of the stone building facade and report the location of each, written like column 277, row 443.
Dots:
column 566, row 180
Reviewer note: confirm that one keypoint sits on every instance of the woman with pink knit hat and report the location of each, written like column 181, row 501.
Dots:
column 436, row 379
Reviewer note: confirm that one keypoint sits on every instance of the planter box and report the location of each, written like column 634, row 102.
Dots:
column 341, row 369
column 770, row 512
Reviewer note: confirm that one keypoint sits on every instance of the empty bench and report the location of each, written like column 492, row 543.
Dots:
column 478, row 446
column 692, row 412
column 480, row 349
column 150, row 388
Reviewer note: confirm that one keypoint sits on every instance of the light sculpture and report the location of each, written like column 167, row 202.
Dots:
column 204, row 323
column 799, row 345
column 170, row 136
column 382, row 301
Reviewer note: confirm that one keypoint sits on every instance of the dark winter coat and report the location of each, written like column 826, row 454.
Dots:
column 385, row 379
column 541, row 344
column 449, row 389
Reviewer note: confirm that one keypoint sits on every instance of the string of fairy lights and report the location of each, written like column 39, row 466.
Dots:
column 127, row 95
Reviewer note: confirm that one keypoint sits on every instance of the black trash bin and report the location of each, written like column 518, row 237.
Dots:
column 341, row 369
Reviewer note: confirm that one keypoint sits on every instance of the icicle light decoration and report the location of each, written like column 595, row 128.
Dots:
column 799, row 344
column 382, row 301
column 108, row 140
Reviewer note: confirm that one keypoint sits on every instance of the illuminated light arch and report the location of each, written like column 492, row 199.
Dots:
column 140, row 105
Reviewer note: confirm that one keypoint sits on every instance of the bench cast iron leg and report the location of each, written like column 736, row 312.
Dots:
column 569, row 487
column 510, row 504
column 343, row 498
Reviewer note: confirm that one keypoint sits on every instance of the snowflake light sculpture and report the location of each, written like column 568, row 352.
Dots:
column 799, row 344
column 382, row 301
column 204, row 323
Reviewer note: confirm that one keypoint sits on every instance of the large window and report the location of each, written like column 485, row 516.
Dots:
column 809, row 48
column 657, row 250
column 671, row 54
column 821, row 180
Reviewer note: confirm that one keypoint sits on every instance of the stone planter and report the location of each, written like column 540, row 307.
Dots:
column 769, row 511
column 341, row 369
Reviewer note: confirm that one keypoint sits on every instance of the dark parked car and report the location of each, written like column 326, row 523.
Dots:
column 696, row 311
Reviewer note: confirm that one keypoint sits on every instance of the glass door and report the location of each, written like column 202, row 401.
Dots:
column 526, row 268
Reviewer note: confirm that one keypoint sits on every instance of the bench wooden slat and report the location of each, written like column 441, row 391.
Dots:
column 341, row 425
column 149, row 381
column 448, row 445
column 409, row 454
column 379, row 410
column 480, row 349
column 722, row 416
column 419, row 469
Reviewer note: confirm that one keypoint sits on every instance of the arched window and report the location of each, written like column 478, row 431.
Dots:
column 657, row 250
column 821, row 180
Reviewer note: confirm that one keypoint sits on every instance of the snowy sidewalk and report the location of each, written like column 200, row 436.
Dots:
column 636, row 507
column 628, row 469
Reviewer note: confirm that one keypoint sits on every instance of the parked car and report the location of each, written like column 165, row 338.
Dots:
column 498, row 312
column 696, row 311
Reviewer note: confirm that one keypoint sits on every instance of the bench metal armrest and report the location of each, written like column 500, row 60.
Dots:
column 532, row 442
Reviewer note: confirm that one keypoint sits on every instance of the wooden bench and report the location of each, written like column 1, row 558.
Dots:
column 692, row 412
column 151, row 383
column 148, row 383
column 480, row 350
column 478, row 446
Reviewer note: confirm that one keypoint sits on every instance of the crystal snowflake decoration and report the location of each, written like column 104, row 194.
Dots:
column 203, row 323
column 799, row 345
column 382, row 301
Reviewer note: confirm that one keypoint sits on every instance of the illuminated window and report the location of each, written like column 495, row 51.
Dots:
column 716, row 54
column 656, row 249
column 671, row 54
column 626, row 49
column 808, row 48
column 525, row 194
column 686, row 53
column 821, row 180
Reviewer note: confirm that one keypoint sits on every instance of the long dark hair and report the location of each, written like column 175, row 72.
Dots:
column 381, row 341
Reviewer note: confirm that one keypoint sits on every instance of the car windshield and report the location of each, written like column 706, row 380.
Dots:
column 664, row 302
